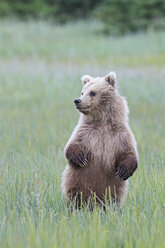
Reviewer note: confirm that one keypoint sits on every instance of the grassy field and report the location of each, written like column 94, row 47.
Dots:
column 40, row 69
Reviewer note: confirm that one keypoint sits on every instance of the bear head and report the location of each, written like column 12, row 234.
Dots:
column 100, row 97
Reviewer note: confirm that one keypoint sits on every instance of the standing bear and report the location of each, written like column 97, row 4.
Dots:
column 101, row 151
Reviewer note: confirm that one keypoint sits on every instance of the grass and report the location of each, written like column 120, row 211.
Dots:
column 40, row 69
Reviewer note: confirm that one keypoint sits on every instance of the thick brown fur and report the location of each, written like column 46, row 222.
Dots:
column 101, row 151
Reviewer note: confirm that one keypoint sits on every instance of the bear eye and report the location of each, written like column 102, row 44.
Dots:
column 92, row 93
column 82, row 93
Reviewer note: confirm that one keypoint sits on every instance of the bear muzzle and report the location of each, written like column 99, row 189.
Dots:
column 77, row 102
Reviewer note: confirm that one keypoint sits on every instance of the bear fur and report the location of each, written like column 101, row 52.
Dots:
column 101, row 151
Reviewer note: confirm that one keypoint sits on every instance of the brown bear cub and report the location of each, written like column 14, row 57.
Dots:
column 101, row 151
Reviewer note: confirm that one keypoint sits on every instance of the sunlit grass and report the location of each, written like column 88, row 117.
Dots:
column 40, row 69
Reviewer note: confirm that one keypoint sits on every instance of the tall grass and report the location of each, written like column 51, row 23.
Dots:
column 40, row 69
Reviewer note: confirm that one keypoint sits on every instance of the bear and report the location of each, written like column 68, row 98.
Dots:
column 102, row 151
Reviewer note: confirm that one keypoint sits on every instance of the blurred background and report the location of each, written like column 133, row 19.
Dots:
column 118, row 17
column 45, row 47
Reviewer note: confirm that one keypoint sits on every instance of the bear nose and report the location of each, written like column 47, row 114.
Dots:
column 77, row 101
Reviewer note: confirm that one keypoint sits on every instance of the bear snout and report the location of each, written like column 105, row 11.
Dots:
column 77, row 101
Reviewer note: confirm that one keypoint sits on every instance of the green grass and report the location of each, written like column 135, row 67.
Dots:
column 40, row 69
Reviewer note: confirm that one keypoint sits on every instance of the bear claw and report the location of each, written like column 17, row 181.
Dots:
column 126, row 167
column 76, row 156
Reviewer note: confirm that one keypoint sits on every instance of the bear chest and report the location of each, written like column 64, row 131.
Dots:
column 101, row 145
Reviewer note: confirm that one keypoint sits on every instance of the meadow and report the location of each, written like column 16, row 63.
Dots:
column 40, row 69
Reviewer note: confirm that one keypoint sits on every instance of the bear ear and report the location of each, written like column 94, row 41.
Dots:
column 111, row 78
column 85, row 79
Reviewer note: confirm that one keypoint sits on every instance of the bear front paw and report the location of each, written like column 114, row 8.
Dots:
column 76, row 156
column 122, row 173
column 126, row 167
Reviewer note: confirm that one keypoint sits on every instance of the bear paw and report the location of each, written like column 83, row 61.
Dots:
column 76, row 156
column 126, row 167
